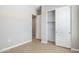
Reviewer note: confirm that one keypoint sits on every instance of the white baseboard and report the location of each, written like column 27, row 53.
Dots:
column 44, row 42
column 15, row 46
column 74, row 49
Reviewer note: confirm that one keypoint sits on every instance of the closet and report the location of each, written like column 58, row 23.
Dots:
column 59, row 26
column 51, row 26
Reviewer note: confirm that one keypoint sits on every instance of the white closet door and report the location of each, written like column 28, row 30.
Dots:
column 63, row 27
column 38, row 27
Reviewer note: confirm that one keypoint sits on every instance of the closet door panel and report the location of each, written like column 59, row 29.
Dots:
column 63, row 26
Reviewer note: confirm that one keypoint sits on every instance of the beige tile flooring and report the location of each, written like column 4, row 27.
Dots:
column 37, row 47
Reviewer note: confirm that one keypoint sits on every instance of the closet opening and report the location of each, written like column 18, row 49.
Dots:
column 51, row 26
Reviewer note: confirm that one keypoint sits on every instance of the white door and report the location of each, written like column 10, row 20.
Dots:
column 38, row 27
column 63, row 27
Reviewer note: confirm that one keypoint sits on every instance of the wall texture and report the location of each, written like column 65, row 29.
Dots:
column 15, row 25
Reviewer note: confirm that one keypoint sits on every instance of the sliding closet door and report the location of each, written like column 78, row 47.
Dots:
column 63, row 27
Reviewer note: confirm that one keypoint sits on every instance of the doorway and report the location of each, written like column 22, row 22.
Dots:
column 33, row 26
column 51, row 26
column 36, row 28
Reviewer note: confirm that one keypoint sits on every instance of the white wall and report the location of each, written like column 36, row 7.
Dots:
column 15, row 25
column 75, row 27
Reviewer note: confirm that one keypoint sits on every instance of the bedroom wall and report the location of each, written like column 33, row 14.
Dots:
column 75, row 28
column 15, row 25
